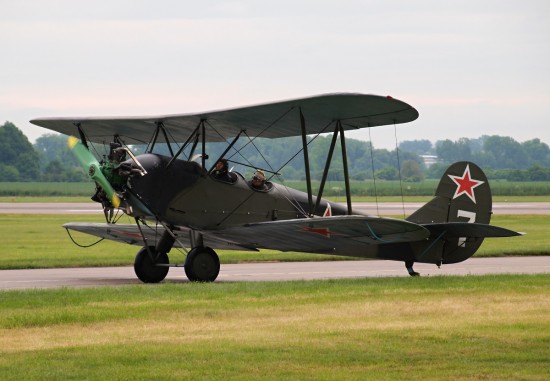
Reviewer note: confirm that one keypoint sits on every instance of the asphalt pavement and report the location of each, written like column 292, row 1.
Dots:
column 383, row 208
column 283, row 271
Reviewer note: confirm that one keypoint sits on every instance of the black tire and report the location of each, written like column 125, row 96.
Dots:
column 202, row 265
column 147, row 270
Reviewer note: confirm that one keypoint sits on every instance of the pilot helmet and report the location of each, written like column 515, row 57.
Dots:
column 259, row 175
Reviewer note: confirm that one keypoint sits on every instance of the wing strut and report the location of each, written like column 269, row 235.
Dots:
column 338, row 130
column 306, row 164
column 226, row 151
column 151, row 145
column 185, row 144
column 345, row 163
column 327, row 166
column 203, row 156
column 82, row 136
column 161, row 127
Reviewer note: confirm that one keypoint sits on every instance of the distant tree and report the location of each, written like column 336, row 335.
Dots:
column 449, row 151
column 516, row 175
column 16, row 151
column 54, row 171
column 8, row 173
column 420, row 147
column 387, row 173
column 412, row 171
column 52, row 147
column 537, row 152
column 436, row 170
column 504, row 152
column 538, row 173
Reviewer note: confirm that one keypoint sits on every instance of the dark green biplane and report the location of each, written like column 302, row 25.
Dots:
column 179, row 202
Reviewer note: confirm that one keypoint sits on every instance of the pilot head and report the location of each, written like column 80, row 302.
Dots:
column 221, row 165
column 258, row 179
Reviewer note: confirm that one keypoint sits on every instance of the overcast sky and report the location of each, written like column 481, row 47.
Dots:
column 469, row 67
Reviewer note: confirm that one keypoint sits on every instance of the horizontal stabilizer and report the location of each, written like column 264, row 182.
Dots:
column 465, row 229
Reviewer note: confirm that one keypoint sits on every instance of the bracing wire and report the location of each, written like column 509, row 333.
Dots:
column 237, row 151
column 373, row 174
column 399, row 169
column 259, row 151
column 79, row 245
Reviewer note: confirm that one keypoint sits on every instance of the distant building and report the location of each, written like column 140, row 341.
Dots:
column 429, row 160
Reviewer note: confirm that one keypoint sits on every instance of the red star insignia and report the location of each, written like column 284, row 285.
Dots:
column 127, row 234
column 328, row 211
column 325, row 232
column 465, row 184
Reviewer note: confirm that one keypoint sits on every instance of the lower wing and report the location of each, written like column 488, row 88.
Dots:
column 340, row 235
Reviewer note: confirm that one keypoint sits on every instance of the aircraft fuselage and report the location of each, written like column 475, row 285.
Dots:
column 183, row 193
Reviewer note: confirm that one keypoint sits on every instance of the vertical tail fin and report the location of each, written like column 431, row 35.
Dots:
column 463, row 195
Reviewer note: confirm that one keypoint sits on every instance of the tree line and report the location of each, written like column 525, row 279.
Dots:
column 49, row 159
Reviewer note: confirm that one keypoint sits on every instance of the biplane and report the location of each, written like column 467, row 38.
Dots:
column 178, row 201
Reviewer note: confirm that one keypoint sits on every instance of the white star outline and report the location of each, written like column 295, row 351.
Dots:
column 469, row 189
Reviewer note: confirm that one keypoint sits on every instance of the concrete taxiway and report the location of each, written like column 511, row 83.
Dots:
column 383, row 208
column 116, row 276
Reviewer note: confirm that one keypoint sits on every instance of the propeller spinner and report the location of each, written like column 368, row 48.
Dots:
column 87, row 160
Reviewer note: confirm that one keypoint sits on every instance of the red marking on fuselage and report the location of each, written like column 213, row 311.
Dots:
column 127, row 234
column 325, row 232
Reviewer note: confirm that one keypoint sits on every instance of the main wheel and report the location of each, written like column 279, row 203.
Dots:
column 202, row 265
column 147, row 270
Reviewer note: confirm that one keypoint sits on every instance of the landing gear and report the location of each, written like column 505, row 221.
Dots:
column 202, row 265
column 151, row 266
column 409, row 266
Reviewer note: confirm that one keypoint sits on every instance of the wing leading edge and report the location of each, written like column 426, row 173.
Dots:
column 338, row 235
column 271, row 120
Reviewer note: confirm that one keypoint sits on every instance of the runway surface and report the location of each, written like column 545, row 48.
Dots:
column 253, row 272
column 384, row 208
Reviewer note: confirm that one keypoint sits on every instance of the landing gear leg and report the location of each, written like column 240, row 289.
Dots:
column 152, row 264
column 409, row 266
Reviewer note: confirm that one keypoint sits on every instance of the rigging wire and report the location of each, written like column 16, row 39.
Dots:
column 237, row 151
column 260, row 152
column 79, row 245
column 296, row 203
column 267, row 127
column 399, row 169
column 276, row 172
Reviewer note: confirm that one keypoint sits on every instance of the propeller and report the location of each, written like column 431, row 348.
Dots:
column 87, row 160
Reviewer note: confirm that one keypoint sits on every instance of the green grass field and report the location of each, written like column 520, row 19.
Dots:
column 39, row 241
column 333, row 189
column 436, row 328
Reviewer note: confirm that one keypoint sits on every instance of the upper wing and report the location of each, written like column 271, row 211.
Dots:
column 340, row 235
column 272, row 120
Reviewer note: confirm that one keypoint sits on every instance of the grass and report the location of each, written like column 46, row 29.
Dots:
column 340, row 199
column 535, row 242
column 452, row 328
column 333, row 189
column 39, row 241
column 53, row 199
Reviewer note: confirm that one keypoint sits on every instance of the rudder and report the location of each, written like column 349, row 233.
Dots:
column 463, row 195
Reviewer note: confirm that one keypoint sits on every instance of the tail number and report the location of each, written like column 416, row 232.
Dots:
column 471, row 216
